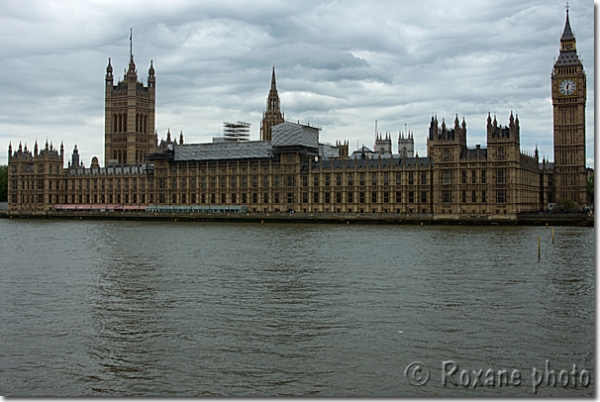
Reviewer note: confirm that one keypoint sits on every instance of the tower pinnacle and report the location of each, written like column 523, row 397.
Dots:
column 131, row 44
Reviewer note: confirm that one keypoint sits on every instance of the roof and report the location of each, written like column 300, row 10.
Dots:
column 223, row 150
column 568, row 58
column 474, row 153
column 293, row 134
column 567, row 33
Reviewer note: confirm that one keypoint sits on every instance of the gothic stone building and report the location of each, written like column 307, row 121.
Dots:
column 289, row 169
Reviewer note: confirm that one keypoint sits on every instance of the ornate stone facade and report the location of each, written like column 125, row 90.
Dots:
column 288, row 169
column 568, row 103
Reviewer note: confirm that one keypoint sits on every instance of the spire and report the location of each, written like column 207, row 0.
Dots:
column 109, row 68
column 567, row 33
column 273, row 83
column 131, row 45
column 131, row 70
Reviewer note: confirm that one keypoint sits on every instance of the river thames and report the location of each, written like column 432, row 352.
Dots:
column 189, row 309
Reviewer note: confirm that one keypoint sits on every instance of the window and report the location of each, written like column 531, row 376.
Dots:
column 473, row 180
column 386, row 179
column 398, row 197
column 266, row 181
column 473, row 196
column 483, row 196
column 290, row 180
column 464, row 177
column 350, row 197
column 423, row 178
column 446, row 196
column 483, row 176
column 446, row 177
column 464, row 196
column 501, row 196
column 244, row 182
column 327, row 180
column 290, row 198
column 338, row 179
column 373, row 179
column 398, row 178
column 276, row 197
column 265, row 198
column 327, row 197
column 255, row 198
column 315, row 198
column 304, row 181
column 386, row 197
column 350, row 179
column 338, row 197
column 411, row 178
column 374, row 197
column 361, row 197
column 446, row 154
column 203, row 183
column 223, row 199
column 411, row 197
column 254, row 181
column 423, row 196
column 501, row 153
column 304, row 198
column 244, row 198
column 362, row 179
column 501, row 177
column 223, row 182
column 316, row 180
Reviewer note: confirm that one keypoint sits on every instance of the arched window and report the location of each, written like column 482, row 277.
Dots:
column 115, row 123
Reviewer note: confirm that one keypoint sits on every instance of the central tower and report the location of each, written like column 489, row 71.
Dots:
column 272, row 115
column 568, row 103
column 129, row 116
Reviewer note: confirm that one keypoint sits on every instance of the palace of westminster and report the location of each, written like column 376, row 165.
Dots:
column 288, row 169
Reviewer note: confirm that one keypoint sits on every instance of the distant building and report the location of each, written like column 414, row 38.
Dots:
column 290, row 169
column 406, row 145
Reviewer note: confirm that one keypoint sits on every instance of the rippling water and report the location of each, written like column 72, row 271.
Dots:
column 138, row 308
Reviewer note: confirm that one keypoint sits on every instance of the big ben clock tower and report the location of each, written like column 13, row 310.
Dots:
column 568, row 103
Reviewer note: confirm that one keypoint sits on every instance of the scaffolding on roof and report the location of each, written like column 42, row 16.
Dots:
column 236, row 132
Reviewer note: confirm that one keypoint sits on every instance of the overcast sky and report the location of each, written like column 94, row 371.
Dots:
column 340, row 65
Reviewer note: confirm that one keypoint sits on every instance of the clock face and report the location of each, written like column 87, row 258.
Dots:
column 567, row 87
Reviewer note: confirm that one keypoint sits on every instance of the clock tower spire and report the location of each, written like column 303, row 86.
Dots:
column 568, row 104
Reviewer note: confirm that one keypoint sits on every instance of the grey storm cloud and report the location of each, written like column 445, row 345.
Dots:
column 339, row 65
